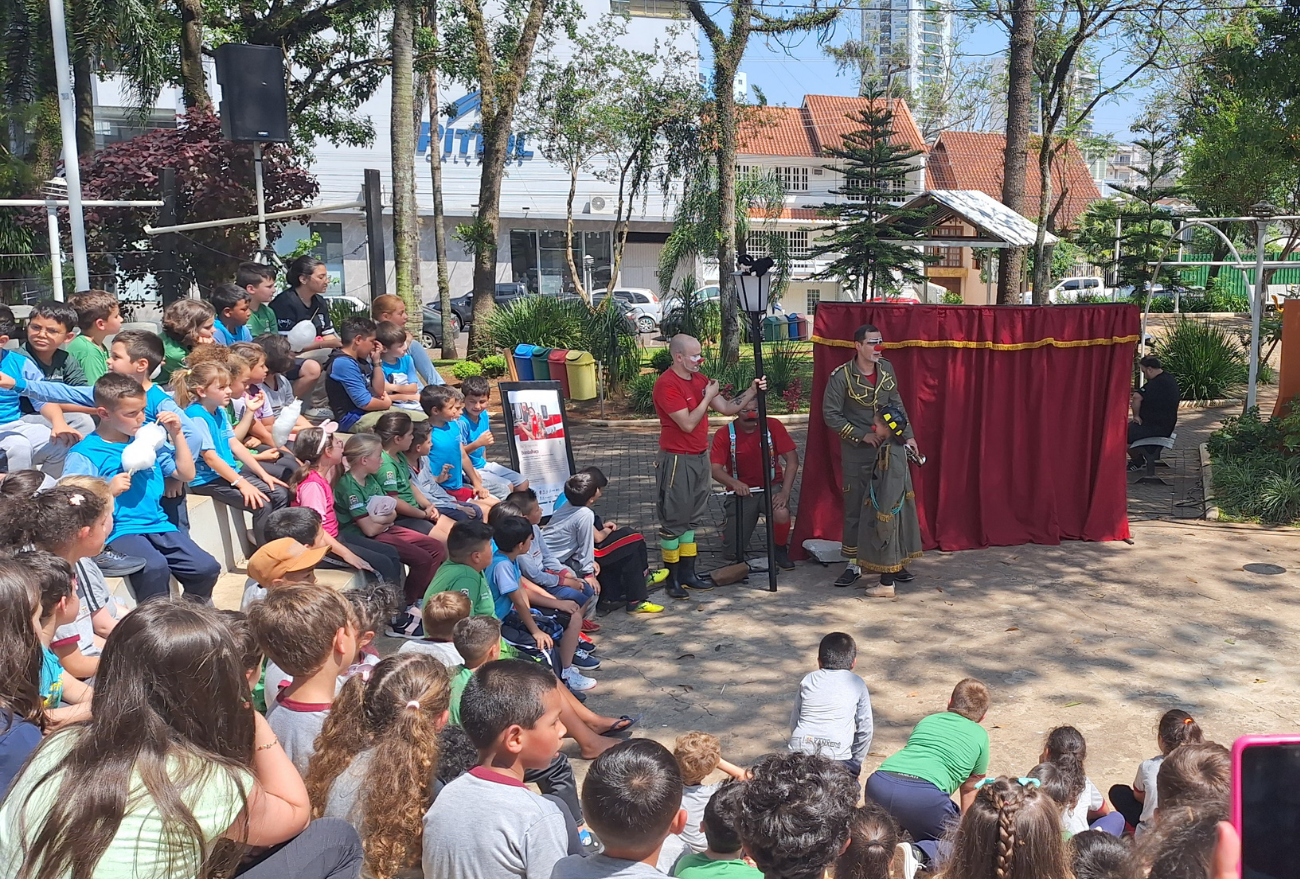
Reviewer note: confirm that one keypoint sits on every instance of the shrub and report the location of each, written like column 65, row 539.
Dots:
column 951, row 297
column 662, row 360
column 793, row 395
column 494, row 365
column 341, row 310
column 568, row 323
column 1257, row 467
column 781, row 362
column 465, row 368
column 1204, row 358
column 640, row 394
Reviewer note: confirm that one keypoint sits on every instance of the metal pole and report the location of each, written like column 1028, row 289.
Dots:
column 1261, row 229
column 374, row 211
column 56, row 253
column 168, row 274
column 261, row 196
column 756, row 333
column 71, row 161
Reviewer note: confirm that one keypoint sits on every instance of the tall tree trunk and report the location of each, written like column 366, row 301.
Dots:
column 1020, row 75
column 406, row 227
column 439, row 219
column 622, row 222
column 83, row 93
column 1042, row 253
column 724, row 75
column 578, row 277
column 194, row 86
column 499, row 93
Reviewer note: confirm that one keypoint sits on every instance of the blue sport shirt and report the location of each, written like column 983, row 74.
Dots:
column 469, row 432
column 224, row 336
column 503, row 578
column 446, row 449
column 218, row 428
column 138, row 510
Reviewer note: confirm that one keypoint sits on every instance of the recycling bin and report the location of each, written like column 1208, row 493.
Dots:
column 794, row 326
column 805, row 328
column 524, row 362
column 774, row 328
column 556, row 361
column 581, row 369
column 541, row 365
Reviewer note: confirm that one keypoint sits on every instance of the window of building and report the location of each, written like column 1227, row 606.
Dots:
column 793, row 178
column 814, row 296
column 648, row 8
column 330, row 251
column 537, row 259
column 852, row 183
column 949, row 257
column 796, row 242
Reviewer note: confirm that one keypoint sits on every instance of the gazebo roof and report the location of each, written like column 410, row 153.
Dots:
column 996, row 223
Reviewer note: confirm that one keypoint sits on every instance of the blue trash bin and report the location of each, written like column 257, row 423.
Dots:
column 794, row 325
column 524, row 362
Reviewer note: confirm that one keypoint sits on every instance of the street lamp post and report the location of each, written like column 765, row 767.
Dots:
column 753, row 290
column 1263, row 211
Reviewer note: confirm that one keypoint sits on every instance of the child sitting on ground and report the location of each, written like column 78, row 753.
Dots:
column 1083, row 806
column 228, row 472
column 794, row 815
column 1011, row 829
column 723, row 856
column 399, row 373
column 50, row 325
column 945, row 753
column 98, row 316
column 697, row 755
column 187, row 324
column 1138, row 803
column 448, row 460
column 541, row 566
column 511, row 711
column 632, row 794
column 892, row 536
column 873, row 842
column 426, row 480
column 476, row 436
column 310, row 632
column 276, row 385
column 140, row 526
column 832, row 710
column 353, row 493
column 396, row 431
column 258, row 281
column 469, row 555
column 378, row 731
column 22, row 706
column 58, row 608
column 529, row 630
column 233, row 308
column 39, row 440
column 441, row 613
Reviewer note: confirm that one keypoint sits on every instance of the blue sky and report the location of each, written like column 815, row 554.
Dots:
column 786, row 75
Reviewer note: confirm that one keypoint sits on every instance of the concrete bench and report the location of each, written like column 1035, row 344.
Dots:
column 1150, row 448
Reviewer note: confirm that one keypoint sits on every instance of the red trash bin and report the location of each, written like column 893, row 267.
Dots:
column 559, row 370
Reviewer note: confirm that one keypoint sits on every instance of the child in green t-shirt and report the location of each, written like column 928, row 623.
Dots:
column 396, row 430
column 469, row 553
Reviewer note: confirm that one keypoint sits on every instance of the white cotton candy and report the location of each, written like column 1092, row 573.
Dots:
column 142, row 452
column 302, row 335
column 284, row 423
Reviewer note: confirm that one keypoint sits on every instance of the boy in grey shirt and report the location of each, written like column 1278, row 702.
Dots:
column 540, row 564
column 632, row 797
column 832, row 710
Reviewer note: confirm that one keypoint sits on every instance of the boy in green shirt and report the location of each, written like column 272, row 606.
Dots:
column 98, row 316
column 259, row 281
column 478, row 641
column 724, row 858
column 469, row 553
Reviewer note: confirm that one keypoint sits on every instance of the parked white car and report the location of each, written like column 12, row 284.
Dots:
column 1070, row 289
column 645, row 307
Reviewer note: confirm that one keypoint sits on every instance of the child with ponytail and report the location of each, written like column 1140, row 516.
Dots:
column 1138, row 803
column 396, row 431
column 1011, row 831
column 227, row 472
column 376, row 758
column 320, row 452
column 1081, row 804
column 873, row 840
column 353, row 492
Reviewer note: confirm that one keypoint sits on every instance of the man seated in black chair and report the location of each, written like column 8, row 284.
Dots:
column 1155, row 407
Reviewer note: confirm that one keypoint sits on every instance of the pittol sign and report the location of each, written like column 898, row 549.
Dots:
column 464, row 142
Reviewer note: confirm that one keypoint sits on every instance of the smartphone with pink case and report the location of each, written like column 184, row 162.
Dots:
column 1266, row 804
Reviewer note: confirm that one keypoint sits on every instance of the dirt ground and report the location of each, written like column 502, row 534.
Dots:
column 1102, row 636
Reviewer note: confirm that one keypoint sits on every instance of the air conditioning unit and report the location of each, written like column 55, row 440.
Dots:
column 817, row 172
column 599, row 205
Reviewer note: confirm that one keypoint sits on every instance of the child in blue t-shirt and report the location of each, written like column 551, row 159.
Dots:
column 522, row 625
column 399, row 368
column 32, row 440
column 233, row 306
column 228, row 471
column 476, row 436
column 447, row 454
column 140, row 527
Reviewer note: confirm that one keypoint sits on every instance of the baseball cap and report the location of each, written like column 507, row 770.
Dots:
column 279, row 557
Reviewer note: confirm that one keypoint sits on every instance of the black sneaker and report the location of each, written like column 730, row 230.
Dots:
column 1134, row 467
column 406, row 625
column 114, row 564
column 849, row 577
column 783, row 560
column 904, row 576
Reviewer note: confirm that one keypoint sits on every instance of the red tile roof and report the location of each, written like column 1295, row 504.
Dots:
column 973, row 160
column 786, row 214
column 821, row 122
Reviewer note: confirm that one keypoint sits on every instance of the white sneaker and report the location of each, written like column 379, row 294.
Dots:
column 576, row 680
column 909, row 864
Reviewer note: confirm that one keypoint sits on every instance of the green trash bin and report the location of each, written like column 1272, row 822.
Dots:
column 581, row 367
column 775, row 328
column 541, row 364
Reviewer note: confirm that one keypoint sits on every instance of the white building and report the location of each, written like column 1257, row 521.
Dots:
column 531, row 244
column 911, row 41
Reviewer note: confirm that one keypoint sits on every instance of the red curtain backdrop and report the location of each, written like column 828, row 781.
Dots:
column 1021, row 413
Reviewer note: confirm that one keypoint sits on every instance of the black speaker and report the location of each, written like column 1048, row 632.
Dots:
column 254, row 105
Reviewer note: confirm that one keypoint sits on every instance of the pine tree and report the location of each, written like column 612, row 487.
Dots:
column 863, row 236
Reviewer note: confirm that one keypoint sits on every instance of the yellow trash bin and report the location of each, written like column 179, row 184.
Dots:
column 581, row 367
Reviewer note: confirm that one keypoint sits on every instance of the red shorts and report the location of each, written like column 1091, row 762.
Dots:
column 464, row 494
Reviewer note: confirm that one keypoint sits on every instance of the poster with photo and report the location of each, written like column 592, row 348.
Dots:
column 539, row 437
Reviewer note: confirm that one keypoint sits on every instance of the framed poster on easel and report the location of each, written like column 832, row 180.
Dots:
column 538, row 428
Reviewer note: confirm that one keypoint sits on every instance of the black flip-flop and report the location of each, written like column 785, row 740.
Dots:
column 623, row 724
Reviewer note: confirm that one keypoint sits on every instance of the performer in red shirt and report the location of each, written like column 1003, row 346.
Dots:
column 737, row 460
column 683, row 397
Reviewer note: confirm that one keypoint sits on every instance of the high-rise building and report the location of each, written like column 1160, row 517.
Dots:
column 907, row 43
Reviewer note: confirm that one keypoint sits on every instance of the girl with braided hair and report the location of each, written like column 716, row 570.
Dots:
column 1011, row 831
